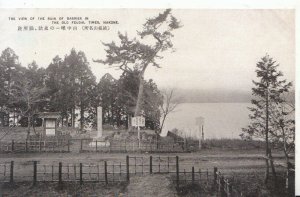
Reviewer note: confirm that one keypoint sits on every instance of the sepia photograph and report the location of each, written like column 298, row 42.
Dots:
column 138, row 102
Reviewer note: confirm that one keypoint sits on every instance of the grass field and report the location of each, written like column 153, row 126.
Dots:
column 245, row 166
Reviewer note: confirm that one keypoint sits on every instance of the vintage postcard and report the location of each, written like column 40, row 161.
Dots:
column 147, row 102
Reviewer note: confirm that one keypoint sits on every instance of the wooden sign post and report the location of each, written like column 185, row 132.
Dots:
column 138, row 121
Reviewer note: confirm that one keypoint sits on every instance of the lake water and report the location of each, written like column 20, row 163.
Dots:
column 221, row 120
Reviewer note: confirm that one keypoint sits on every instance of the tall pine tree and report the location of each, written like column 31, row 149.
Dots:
column 134, row 54
column 267, row 92
column 9, row 69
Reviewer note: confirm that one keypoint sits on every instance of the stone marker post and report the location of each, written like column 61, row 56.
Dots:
column 200, row 124
column 99, row 122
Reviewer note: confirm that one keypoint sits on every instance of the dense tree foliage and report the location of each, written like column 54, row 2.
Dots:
column 10, row 71
column 68, row 86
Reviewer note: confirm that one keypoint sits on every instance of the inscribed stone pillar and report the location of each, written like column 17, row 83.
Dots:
column 200, row 124
column 99, row 122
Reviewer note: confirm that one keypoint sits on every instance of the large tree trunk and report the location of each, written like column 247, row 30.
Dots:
column 140, row 96
column 73, row 116
column 118, row 118
column 7, row 119
column 162, row 122
column 95, row 119
column 81, row 115
column 273, row 168
column 103, row 116
column 28, row 127
column 285, row 148
column 267, row 171
column 33, row 126
column 81, row 107
column 14, row 117
column 2, row 118
column 267, row 135
column 127, row 121
column 67, row 119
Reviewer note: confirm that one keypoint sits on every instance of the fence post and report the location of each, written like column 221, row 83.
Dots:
column 68, row 145
column 105, row 172
column 158, row 164
column 125, row 146
column 12, row 145
column 215, row 176
column 60, row 175
column 168, row 164
column 26, row 145
column 177, row 171
column 222, row 186
column 287, row 180
column 52, row 172
column 41, row 145
column 34, row 172
column 226, row 187
column 135, row 165
column 96, row 145
column 81, row 145
column 11, row 172
column 151, row 164
column 193, row 175
column 219, row 182
column 127, row 165
column 229, row 189
column 80, row 173
column 143, row 165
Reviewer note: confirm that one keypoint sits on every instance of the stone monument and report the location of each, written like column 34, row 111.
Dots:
column 99, row 122
column 99, row 140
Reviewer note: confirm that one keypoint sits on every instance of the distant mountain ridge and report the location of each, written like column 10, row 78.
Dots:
column 219, row 96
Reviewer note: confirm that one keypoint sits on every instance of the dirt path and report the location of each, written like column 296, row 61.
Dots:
column 150, row 185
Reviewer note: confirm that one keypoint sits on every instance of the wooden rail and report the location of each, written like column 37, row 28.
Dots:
column 35, row 146
column 110, row 172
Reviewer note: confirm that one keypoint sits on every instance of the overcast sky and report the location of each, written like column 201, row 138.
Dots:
column 215, row 49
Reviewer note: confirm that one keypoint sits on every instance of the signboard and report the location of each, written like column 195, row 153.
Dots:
column 134, row 121
column 50, row 131
column 138, row 121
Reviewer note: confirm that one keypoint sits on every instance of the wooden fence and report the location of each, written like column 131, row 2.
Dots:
column 86, row 145
column 289, row 175
column 111, row 172
column 106, row 171
column 35, row 146
column 119, row 171
column 224, row 186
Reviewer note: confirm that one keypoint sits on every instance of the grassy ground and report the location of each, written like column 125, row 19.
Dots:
column 246, row 166
column 68, row 189
column 151, row 185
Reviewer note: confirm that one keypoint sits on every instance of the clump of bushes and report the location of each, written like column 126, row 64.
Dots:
column 226, row 143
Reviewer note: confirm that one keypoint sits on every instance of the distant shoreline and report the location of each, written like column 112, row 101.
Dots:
column 219, row 96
